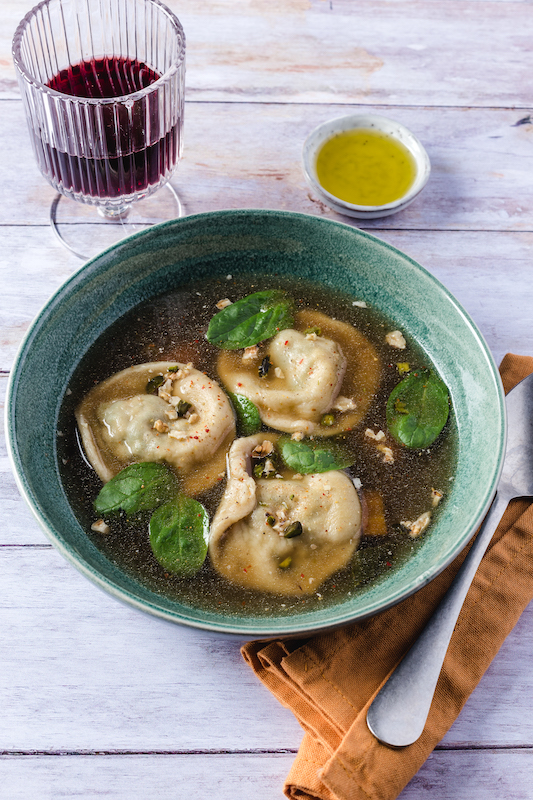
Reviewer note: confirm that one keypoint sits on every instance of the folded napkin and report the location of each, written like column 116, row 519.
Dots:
column 330, row 680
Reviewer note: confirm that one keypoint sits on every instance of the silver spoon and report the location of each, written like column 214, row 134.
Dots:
column 399, row 711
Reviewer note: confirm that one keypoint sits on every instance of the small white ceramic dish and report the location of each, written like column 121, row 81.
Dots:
column 328, row 130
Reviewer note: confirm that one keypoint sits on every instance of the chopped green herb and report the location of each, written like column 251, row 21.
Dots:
column 293, row 530
column 153, row 385
column 264, row 367
column 182, row 408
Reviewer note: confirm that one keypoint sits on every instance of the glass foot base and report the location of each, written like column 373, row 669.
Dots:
column 85, row 232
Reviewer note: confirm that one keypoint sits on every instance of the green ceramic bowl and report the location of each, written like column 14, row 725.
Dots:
column 219, row 243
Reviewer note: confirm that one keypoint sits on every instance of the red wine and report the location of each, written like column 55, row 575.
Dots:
column 115, row 154
column 105, row 77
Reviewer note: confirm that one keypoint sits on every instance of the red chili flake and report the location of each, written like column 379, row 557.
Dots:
column 239, row 384
column 287, row 341
column 389, row 564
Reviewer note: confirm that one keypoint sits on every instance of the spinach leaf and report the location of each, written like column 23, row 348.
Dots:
column 251, row 320
column 138, row 487
column 417, row 409
column 309, row 456
column 248, row 417
column 179, row 534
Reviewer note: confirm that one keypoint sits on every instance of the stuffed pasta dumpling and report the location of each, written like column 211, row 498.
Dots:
column 287, row 535
column 322, row 368
column 160, row 411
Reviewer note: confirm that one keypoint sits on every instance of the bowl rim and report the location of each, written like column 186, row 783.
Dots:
column 293, row 626
column 330, row 128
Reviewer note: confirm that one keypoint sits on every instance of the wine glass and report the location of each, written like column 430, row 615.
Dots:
column 103, row 84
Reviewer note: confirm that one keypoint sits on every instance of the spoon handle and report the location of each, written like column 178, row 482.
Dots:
column 399, row 711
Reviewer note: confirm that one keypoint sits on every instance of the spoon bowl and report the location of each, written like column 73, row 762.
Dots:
column 399, row 711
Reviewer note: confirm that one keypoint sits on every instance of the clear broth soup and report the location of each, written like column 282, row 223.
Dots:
column 173, row 327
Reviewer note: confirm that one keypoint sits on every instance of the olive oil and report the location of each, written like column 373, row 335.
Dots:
column 365, row 167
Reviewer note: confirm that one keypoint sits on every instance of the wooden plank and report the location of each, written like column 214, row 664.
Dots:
column 81, row 671
column 476, row 775
column 447, row 775
column 481, row 162
column 452, row 52
column 145, row 777
column 21, row 527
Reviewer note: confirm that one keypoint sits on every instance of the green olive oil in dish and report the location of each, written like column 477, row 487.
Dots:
column 365, row 167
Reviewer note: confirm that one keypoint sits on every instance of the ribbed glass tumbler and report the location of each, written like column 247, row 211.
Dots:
column 103, row 84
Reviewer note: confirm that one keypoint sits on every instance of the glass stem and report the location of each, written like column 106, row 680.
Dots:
column 114, row 212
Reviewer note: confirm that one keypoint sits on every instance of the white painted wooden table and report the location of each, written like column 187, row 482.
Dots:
column 99, row 700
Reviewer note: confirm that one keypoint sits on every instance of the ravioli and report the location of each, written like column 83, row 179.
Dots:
column 250, row 539
column 334, row 373
column 188, row 422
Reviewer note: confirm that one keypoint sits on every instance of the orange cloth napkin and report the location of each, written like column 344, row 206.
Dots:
column 330, row 680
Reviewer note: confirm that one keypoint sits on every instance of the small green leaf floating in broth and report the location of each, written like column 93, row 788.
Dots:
column 308, row 457
column 417, row 409
column 138, row 487
column 247, row 414
column 179, row 533
column 251, row 320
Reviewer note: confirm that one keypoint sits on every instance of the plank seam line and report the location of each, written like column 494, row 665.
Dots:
column 348, row 103
column 234, row 752
column 484, row 747
column 199, row 752
column 514, row 231
column 36, row 545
